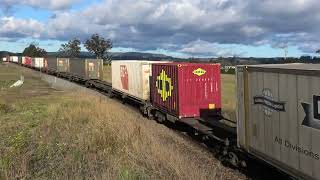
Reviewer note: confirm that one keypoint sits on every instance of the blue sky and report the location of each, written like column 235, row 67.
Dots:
column 183, row 28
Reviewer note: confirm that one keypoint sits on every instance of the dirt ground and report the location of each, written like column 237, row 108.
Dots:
column 46, row 134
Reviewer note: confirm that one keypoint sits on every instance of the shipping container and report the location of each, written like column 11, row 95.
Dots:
column 58, row 64
column 279, row 116
column 26, row 60
column 14, row 59
column 38, row 62
column 87, row 68
column 132, row 77
column 4, row 59
column 186, row 89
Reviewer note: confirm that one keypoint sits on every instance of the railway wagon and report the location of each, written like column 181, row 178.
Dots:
column 132, row 78
column 58, row 64
column 87, row 68
column 279, row 116
column 26, row 61
column 14, row 59
column 38, row 62
column 186, row 90
column 4, row 59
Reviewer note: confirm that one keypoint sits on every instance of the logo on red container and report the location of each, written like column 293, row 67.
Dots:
column 124, row 77
column 164, row 86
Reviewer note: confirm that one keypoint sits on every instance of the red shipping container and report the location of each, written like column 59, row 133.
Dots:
column 27, row 61
column 186, row 89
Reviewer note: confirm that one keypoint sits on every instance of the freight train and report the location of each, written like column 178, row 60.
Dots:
column 278, row 106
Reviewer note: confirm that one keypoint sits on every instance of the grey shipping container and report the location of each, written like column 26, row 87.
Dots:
column 279, row 116
column 58, row 64
column 87, row 68
column 20, row 59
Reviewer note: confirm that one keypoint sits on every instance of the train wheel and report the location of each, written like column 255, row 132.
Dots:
column 160, row 118
column 233, row 159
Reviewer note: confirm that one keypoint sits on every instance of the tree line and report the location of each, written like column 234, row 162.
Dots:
column 94, row 44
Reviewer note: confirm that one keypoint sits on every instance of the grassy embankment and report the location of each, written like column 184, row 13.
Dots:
column 228, row 92
column 49, row 134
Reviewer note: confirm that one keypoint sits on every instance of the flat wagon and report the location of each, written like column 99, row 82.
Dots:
column 279, row 116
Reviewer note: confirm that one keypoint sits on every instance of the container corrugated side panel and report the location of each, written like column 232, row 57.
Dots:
column 308, row 86
column 28, row 61
column 130, row 77
column 199, row 88
column 20, row 59
column 23, row 60
column 33, row 62
column 62, row 64
column 277, row 135
column 15, row 59
column 38, row 62
column 240, row 107
column 78, row 66
column 93, row 69
column 52, row 63
column 165, row 88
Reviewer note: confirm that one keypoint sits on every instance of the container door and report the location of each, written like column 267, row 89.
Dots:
column 62, row 65
column 165, row 88
column 93, row 69
column 146, row 73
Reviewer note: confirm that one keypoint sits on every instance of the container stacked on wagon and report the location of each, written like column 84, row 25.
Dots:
column 186, row 90
column 279, row 116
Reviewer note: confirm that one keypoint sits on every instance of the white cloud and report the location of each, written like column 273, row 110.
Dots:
column 204, row 48
column 20, row 28
column 177, row 25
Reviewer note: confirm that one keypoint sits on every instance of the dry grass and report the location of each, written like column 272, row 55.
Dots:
column 32, row 86
column 90, row 137
column 107, row 76
column 228, row 93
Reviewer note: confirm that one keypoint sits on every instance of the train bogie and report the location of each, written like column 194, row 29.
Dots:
column 86, row 68
column 186, row 90
column 279, row 116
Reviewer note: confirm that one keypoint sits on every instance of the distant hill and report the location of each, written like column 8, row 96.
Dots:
column 7, row 53
column 123, row 55
column 224, row 61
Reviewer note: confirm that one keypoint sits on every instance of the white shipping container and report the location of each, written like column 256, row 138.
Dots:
column 279, row 116
column 4, row 59
column 38, row 62
column 132, row 77
column 14, row 59
column 23, row 61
